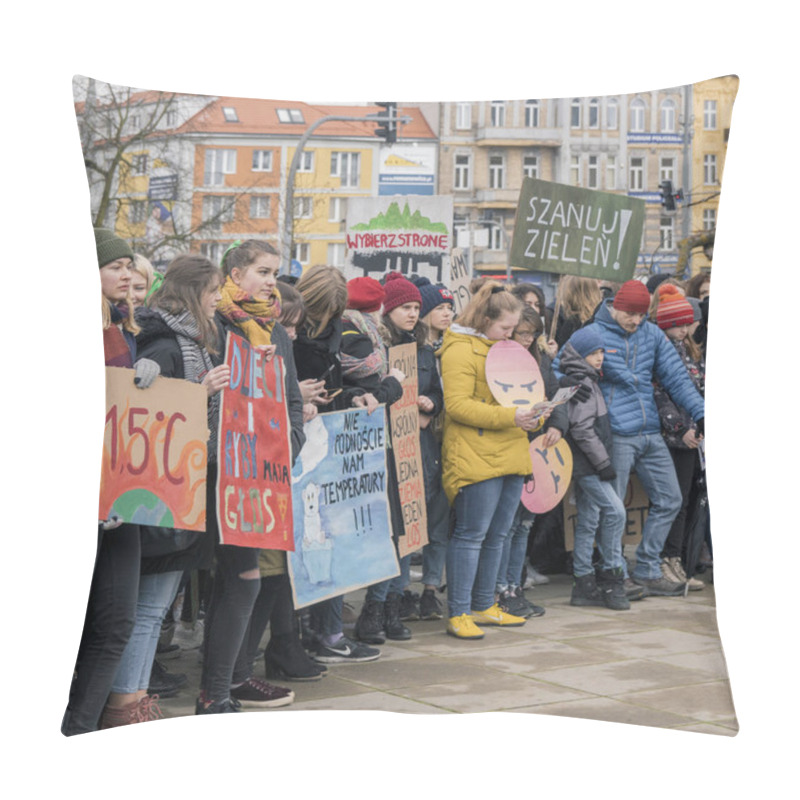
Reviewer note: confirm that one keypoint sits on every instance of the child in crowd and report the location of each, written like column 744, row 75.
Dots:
column 601, row 513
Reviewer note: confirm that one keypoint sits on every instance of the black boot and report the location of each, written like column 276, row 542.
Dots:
column 285, row 659
column 611, row 583
column 369, row 625
column 392, row 625
column 585, row 592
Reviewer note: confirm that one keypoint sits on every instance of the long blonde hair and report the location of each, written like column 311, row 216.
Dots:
column 579, row 297
column 324, row 291
column 488, row 304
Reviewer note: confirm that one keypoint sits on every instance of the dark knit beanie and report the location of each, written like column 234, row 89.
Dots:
column 654, row 281
column 432, row 296
column 673, row 308
column 364, row 294
column 110, row 247
column 586, row 340
column 632, row 297
column 399, row 291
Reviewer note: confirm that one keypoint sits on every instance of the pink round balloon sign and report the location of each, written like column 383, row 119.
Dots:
column 551, row 468
column 513, row 375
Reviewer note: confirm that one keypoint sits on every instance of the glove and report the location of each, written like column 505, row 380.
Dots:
column 146, row 372
column 583, row 393
column 607, row 473
column 700, row 425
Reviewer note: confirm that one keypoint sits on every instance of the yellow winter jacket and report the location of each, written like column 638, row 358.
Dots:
column 480, row 440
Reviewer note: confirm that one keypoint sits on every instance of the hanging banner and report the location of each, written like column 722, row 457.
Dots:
column 342, row 530
column 154, row 452
column 572, row 231
column 404, row 420
column 254, row 484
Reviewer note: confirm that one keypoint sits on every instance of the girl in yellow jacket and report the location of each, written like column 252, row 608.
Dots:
column 485, row 457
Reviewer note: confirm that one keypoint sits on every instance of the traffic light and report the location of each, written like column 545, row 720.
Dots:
column 387, row 130
column 667, row 195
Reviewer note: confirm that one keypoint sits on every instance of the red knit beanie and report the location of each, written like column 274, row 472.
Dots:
column 673, row 308
column 399, row 291
column 632, row 297
column 364, row 294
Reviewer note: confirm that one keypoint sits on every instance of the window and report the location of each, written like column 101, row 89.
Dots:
column 218, row 164
column 139, row 164
column 336, row 254
column 302, row 252
column 710, row 115
column 592, row 173
column 575, row 113
column 262, row 160
column 498, row 113
column 594, row 113
column 666, row 171
column 337, row 209
column 497, row 171
column 346, row 167
column 636, row 180
column 137, row 211
column 303, row 207
column 259, row 206
column 709, row 219
column 710, row 170
column 230, row 114
column 637, row 116
column 611, row 172
column 171, row 119
column 531, row 113
column 306, row 163
column 530, row 166
column 291, row 115
column 217, row 210
column 667, row 233
column 462, row 177
column 213, row 251
column 612, row 115
column 134, row 122
column 668, row 117
column 496, row 236
column 463, row 116
column 575, row 170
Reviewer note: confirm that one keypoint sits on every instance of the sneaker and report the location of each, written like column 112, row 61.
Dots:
column 415, row 575
column 534, row 578
column 515, row 604
column 585, row 591
column 345, row 651
column 188, row 635
column 226, row 706
column 633, row 591
column 661, row 587
column 149, row 708
column 464, row 627
column 429, row 605
column 409, row 606
column 255, row 693
column 676, row 567
column 494, row 615
column 114, row 717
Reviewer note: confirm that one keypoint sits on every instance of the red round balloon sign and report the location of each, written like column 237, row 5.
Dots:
column 513, row 375
column 552, row 471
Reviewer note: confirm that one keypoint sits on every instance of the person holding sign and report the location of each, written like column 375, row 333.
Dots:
column 485, row 459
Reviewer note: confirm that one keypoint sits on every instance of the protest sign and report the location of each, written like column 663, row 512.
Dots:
column 412, row 236
column 342, row 530
column 460, row 279
column 513, row 375
column 254, row 484
column 636, row 503
column 551, row 469
column 572, row 231
column 154, row 452
column 404, row 421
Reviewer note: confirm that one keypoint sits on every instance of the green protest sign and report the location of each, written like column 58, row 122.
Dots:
column 574, row 231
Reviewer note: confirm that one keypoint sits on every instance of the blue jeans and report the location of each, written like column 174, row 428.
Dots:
column 649, row 456
column 601, row 516
column 484, row 512
column 435, row 552
column 156, row 593
column 326, row 616
column 514, row 549
column 378, row 592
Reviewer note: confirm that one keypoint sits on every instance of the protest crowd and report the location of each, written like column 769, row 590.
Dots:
column 631, row 357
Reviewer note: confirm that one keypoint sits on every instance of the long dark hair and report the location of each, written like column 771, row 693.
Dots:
column 396, row 336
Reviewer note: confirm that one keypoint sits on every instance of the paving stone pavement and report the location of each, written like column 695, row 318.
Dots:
column 659, row 664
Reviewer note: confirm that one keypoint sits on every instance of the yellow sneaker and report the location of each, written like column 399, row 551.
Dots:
column 464, row 627
column 494, row 615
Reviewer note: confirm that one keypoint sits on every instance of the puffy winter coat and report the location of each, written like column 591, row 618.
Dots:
column 480, row 439
column 632, row 362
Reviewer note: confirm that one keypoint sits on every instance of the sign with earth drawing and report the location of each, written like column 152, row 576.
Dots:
column 409, row 234
column 574, row 231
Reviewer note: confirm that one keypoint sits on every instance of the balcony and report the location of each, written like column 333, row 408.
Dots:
column 497, row 198
column 518, row 137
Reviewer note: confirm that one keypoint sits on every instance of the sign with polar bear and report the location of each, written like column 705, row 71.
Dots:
column 342, row 529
